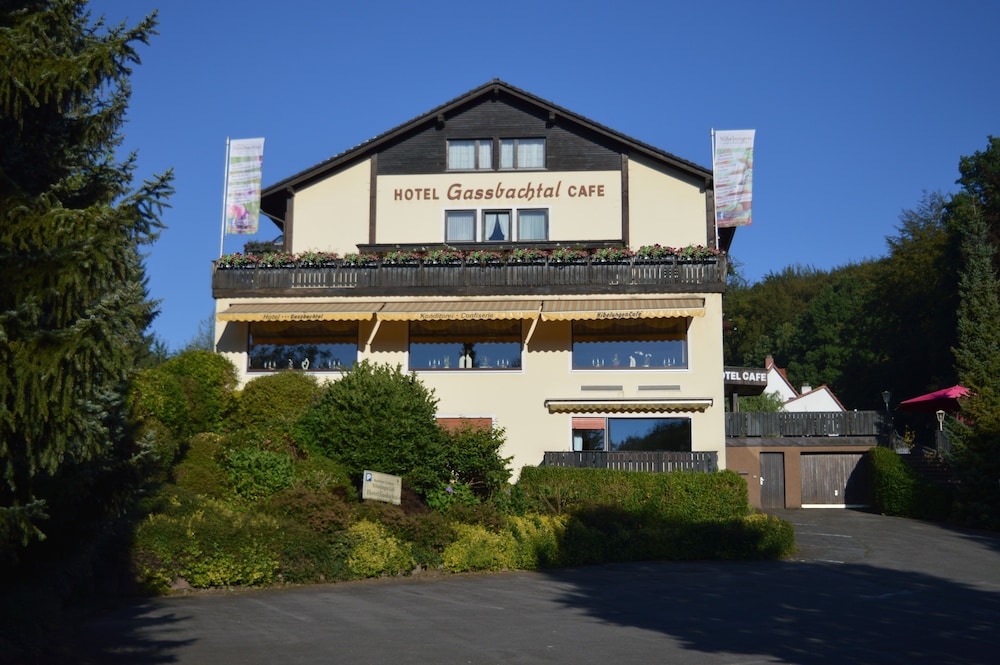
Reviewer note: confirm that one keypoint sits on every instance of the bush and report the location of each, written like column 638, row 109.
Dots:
column 276, row 399
column 206, row 543
column 374, row 551
column 539, row 540
column 476, row 548
column 199, row 470
column 677, row 496
column 899, row 490
column 207, row 381
column 472, row 456
column 375, row 417
column 255, row 474
column 321, row 511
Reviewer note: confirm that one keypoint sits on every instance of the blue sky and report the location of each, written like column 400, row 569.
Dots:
column 860, row 106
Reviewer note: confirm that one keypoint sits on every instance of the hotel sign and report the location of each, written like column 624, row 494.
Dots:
column 524, row 193
column 745, row 376
column 382, row 487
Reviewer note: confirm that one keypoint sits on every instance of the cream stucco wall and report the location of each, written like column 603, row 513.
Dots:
column 664, row 208
column 411, row 209
column 515, row 399
column 332, row 215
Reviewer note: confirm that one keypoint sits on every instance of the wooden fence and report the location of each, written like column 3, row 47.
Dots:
column 835, row 423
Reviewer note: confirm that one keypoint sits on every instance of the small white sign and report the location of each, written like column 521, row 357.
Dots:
column 382, row 487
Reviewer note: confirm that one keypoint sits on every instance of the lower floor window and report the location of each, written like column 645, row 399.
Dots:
column 630, row 344
column 465, row 345
column 632, row 434
column 303, row 345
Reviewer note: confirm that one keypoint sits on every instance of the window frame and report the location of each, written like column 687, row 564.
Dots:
column 479, row 147
column 338, row 335
column 463, row 337
column 621, row 352
column 480, row 232
column 517, row 154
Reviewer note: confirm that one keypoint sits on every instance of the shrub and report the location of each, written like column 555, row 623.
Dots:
column 206, row 543
column 321, row 511
column 255, row 474
column 374, row 552
column 207, row 381
column 901, row 491
column 538, row 539
column 472, row 456
column 476, row 548
column 376, row 417
column 199, row 470
column 279, row 398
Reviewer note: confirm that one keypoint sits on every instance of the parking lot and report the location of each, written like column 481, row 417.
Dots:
column 863, row 588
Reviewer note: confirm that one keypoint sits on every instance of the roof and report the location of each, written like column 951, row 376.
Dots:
column 278, row 190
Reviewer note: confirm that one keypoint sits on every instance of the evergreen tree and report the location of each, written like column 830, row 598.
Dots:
column 73, row 301
column 976, row 435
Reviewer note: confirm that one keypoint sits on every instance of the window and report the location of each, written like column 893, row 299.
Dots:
column 522, row 153
column 303, row 345
column 465, row 345
column 632, row 434
column 637, row 344
column 470, row 155
column 496, row 226
column 460, row 226
column 532, row 225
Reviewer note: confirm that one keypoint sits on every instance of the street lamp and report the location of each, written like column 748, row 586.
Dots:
column 940, row 416
column 885, row 398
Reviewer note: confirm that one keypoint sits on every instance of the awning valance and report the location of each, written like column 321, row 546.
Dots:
column 622, row 308
column 314, row 311
column 459, row 310
column 625, row 405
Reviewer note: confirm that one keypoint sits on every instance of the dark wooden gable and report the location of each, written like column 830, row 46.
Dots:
column 568, row 146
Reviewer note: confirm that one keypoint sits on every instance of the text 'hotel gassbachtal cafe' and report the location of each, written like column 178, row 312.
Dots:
column 535, row 269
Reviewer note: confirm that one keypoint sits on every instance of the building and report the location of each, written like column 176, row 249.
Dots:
column 806, row 400
column 516, row 256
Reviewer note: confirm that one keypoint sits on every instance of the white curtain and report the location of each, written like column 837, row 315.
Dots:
column 531, row 225
column 461, row 225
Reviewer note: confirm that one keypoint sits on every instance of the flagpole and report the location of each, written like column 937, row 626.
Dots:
column 715, row 199
column 225, row 201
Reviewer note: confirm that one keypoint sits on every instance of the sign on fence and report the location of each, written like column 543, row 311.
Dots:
column 381, row 487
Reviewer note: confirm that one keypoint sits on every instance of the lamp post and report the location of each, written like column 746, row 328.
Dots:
column 886, row 395
column 940, row 416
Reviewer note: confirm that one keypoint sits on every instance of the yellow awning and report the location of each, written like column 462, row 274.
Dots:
column 651, row 405
column 312, row 311
column 459, row 310
column 622, row 308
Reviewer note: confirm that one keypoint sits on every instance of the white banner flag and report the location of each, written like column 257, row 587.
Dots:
column 243, row 177
column 733, row 166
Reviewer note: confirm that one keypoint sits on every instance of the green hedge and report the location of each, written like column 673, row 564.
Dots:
column 674, row 496
column 901, row 491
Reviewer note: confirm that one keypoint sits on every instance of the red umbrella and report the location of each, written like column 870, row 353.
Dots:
column 945, row 399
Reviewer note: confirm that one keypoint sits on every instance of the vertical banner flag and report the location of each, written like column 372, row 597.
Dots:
column 733, row 166
column 243, row 176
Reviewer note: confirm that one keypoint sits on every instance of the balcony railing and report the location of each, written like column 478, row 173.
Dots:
column 633, row 276
column 836, row 423
column 635, row 460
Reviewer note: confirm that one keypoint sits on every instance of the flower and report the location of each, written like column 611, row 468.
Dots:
column 483, row 257
column 443, row 256
column 525, row 255
column 356, row 259
column 400, row 257
column 566, row 255
column 612, row 254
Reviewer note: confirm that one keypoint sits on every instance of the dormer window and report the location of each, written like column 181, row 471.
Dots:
column 477, row 154
column 470, row 155
column 522, row 153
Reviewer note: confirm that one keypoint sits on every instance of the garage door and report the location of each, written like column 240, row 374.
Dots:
column 835, row 480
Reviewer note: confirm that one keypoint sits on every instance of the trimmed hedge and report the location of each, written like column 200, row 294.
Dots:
column 899, row 490
column 673, row 496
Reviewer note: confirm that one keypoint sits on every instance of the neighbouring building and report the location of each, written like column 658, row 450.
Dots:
column 537, row 270
column 806, row 400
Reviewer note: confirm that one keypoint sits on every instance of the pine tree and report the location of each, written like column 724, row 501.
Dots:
column 73, row 301
column 976, row 435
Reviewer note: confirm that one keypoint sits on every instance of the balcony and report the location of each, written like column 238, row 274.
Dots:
column 543, row 277
column 815, row 424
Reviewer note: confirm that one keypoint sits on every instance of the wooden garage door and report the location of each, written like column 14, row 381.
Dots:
column 835, row 479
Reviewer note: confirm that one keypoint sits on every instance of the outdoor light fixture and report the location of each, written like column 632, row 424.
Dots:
column 885, row 398
column 940, row 416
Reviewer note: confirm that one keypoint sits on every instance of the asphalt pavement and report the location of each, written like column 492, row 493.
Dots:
column 863, row 588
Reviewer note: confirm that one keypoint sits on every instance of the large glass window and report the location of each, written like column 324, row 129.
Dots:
column 303, row 345
column 462, row 345
column 496, row 225
column 632, row 434
column 522, row 153
column 634, row 344
column 470, row 155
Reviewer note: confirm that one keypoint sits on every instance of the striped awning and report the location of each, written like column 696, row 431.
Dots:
column 311, row 311
column 622, row 308
column 459, row 310
column 652, row 405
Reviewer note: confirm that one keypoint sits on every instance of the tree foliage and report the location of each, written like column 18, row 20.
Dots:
column 73, row 302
